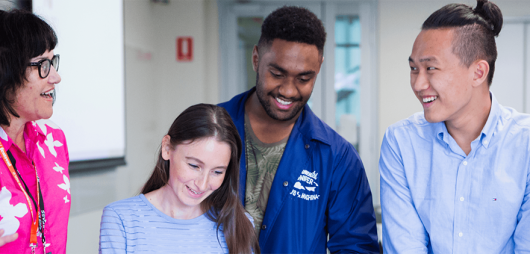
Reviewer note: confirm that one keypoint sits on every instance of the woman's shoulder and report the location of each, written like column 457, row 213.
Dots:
column 127, row 203
column 47, row 133
column 47, row 126
column 128, row 211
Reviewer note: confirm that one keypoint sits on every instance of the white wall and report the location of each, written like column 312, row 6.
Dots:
column 157, row 89
column 399, row 23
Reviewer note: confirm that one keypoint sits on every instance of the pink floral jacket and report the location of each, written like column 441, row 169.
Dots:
column 46, row 147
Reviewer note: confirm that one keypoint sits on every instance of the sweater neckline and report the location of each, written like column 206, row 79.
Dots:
column 169, row 218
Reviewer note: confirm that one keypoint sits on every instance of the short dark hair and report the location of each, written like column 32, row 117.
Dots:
column 474, row 30
column 23, row 36
column 223, row 205
column 295, row 24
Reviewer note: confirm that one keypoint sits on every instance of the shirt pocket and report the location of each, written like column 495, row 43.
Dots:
column 498, row 200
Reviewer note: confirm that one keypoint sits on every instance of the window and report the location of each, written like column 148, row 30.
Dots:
column 347, row 77
column 248, row 33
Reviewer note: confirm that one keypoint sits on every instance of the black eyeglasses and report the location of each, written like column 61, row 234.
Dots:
column 45, row 65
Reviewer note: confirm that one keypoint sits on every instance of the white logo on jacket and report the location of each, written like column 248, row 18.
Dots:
column 308, row 179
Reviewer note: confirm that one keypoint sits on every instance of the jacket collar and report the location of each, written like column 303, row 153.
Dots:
column 307, row 123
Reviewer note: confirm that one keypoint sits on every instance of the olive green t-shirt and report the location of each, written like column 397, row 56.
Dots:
column 262, row 162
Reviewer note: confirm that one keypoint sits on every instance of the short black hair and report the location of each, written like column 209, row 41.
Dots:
column 474, row 31
column 295, row 24
column 23, row 36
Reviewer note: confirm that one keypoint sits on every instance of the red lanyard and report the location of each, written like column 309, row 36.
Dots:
column 34, row 225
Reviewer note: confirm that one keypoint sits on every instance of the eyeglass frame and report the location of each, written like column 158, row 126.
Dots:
column 39, row 64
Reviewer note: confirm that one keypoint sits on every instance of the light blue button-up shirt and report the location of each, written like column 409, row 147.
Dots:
column 435, row 199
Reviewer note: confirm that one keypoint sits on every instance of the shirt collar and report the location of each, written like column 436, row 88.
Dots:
column 5, row 139
column 441, row 132
column 487, row 131
column 493, row 119
column 32, row 131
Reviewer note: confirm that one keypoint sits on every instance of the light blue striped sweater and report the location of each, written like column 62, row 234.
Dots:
column 134, row 225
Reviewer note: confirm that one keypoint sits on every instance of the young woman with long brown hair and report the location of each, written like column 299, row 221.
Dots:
column 190, row 203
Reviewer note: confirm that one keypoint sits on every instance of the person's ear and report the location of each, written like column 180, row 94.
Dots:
column 255, row 58
column 480, row 69
column 166, row 147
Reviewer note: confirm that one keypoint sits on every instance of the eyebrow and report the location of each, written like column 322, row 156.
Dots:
column 38, row 58
column 277, row 67
column 282, row 70
column 193, row 158
column 200, row 162
column 426, row 59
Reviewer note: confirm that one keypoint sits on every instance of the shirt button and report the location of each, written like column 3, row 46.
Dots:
column 307, row 146
column 263, row 227
column 460, row 234
column 461, row 198
column 285, row 183
column 465, row 163
column 486, row 142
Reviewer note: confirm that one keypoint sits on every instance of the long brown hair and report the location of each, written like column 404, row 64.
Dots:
column 223, row 205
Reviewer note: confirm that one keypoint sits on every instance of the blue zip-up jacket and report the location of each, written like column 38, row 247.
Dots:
column 320, row 187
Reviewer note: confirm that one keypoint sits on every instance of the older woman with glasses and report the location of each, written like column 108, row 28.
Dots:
column 34, row 180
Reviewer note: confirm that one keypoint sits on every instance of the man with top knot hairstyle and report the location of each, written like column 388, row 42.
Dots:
column 455, row 177
column 299, row 179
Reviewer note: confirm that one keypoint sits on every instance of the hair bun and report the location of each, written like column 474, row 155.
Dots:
column 491, row 13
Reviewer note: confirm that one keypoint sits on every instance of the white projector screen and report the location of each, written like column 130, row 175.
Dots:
column 90, row 105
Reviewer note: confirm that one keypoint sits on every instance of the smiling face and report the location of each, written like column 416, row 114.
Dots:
column 195, row 169
column 443, row 85
column 286, row 75
column 33, row 100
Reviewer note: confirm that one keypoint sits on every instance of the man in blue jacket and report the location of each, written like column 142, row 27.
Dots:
column 299, row 179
